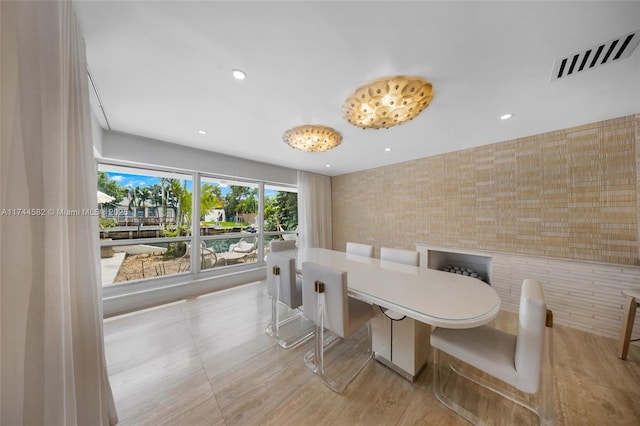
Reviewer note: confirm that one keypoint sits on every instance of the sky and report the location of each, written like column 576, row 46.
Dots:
column 131, row 181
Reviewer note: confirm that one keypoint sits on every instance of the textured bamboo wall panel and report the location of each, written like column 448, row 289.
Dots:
column 561, row 207
column 569, row 194
column 583, row 295
column 587, row 296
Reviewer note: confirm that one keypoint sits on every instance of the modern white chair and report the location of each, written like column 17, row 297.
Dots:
column 208, row 257
column 278, row 245
column 398, row 340
column 288, row 237
column 405, row 257
column 336, row 359
column 364, row 250
column 288, row 326
column 245, row 245
column 523, row 361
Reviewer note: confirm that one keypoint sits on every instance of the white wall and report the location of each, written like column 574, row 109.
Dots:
column 122, row 146
column 96, row 134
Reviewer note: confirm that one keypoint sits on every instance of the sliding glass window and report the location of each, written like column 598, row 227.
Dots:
column 157, row 225
column 280, row 213
column 145, row 223
column 229, row 217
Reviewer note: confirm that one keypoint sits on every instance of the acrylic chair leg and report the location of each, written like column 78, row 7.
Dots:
column 542, row 407
column 275, row 312
column 289, row 328
column 314, row 359
column 272, row 329
column 438, row 390
column 320, row 335
column 545, row 395
column 324, row 340
column 320, row 346
column 319, row 349
column 627, row 327
column 338, row 384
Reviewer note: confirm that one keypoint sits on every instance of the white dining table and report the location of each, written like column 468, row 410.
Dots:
column 438, row 298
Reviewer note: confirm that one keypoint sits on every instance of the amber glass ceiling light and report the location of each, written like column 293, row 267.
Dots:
column 312, row 138
column 387, row 102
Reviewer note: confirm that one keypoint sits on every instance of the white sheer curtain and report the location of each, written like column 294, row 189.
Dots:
column 314, row 210
column 52, row 368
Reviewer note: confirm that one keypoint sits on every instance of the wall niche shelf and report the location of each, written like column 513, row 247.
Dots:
column 441, row 258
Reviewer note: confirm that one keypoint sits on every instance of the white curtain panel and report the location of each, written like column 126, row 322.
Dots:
column 314, row 210
column 52, row 368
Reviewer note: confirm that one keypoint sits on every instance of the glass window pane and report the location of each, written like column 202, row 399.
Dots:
column 280, row 209
column 267, row 241
column 143, row 261
column 141, row 203
column 228, row 251
column 227, row 205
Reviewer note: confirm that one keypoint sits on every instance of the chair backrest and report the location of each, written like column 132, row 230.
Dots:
column 405, row 257
column 530, row 340
column 336, row 302
column 277, row 245
column 360, row 249
column 286, row 277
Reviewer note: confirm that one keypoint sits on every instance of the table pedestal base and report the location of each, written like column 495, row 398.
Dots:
column 402, row 345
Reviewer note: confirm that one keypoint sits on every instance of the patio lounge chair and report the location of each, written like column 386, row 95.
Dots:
column 245, row 245
column 208, row 257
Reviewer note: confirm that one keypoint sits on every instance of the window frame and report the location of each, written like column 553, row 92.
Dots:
column 122, row 289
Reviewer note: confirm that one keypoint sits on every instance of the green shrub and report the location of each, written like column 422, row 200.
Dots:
column 106, row 222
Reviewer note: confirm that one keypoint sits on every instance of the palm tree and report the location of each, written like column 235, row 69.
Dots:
column 179, row 200
column 173, row 190
column 164, row 196
column 131, row 196
column 210, row 198
column 156, row 196
column 142, row 195
column 185, row 205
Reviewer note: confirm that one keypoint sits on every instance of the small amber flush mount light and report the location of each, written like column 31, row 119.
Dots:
column 312, row 138
column 387, row 102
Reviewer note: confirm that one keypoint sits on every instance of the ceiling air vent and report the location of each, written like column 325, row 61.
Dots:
column 605, row 53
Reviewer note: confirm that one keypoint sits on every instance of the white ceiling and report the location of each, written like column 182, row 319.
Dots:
column 163, row 70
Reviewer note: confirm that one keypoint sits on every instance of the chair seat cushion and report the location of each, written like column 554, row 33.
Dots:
column 486, row 348
column 296, row 298
column 244, row 248
column 359, row 313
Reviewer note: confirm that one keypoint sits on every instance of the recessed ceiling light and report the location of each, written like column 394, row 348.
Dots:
column 239, row 74
column 387, row 149
column 328, row 165
column 506, row 116
column 202, row 132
